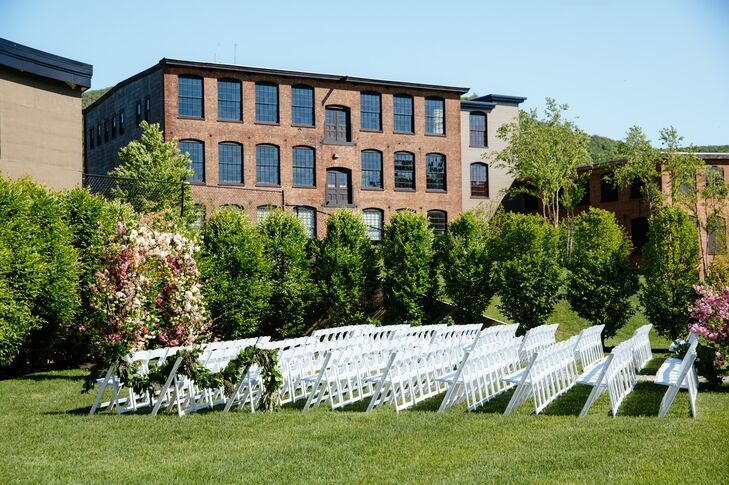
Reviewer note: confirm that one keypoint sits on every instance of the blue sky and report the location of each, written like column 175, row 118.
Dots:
column 617, row 63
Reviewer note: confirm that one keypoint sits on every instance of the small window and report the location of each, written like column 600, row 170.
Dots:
column 113, row 126
column 106, row 131
column 585, row 200
column 404, row 171
column 608, row 190
column 434, row 116
column 479, row 180
column 435, row 172
column 199, row 212
column 373, row 220
column 194, row 150
column 230, row 163
column 336, row 127
column 148, row 109
column 371, row 169
column 302, row 106
column 307, row 216
column 477, row 126
column 370, row 111
column 229, row 100
column 98, row 134
column 138, row 112
column 267, row 165
column 303, row 167
column 636, row 189
column 438, row 222
column 403, row 113
column 122, row 122
column 266, row 102
column 91, row 138
column 263, row 211
column 716, row 235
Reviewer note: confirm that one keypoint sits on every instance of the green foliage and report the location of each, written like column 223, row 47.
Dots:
column 603, row 149
column 233, row 264
column 89, row 97
column 601, row 279
column 708, row 148
column 293, row 291
column 407, row 253
column 346, row 268
column 463, row 254
column 671, row 268
column 526, row 268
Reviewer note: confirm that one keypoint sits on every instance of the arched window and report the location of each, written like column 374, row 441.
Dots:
column 230, row 162
column 477, row 126
column 229, row 100
column 199, row 212
column 371, row 169
column 479, row 180
column 263, row 211
column 716, row 235
column 438, row 221
column 266, row 102
column 307, row 216
column 434, row 116
column 404, row 170
column 232, row 207
column 373, row 220
column 303, row 167
column 435, row 172
column 302, row 105
column 195, row 150
column 402, row 110
column 189, row 96
column 267, row 165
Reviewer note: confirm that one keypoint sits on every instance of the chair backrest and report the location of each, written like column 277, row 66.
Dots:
column 642, row 353
column 588, row 348
column 685, row 378
column 620, row 375
column 553, row 372
column 537, row 339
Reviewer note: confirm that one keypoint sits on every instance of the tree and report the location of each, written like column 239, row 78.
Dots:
column 601, row 279
column 545, row 152
column 407, row 253
column 465, row 264
column 152, row 158
column 671, row 269
column 346, row 268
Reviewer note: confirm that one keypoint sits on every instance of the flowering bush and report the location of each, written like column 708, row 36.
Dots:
column 711, row 322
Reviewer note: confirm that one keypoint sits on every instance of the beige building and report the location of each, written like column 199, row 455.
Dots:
column 484, row 185
column 40, row 115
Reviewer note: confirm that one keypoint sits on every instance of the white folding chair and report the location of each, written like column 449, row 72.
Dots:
column 537, row 339
column 616, row 374
column 679, row 374
column 642, row 346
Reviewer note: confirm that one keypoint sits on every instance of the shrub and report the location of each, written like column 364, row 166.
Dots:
column 671, row 269
column 465, row 262
column 232, row 263
column 718, row 272
column 346, row 268
column 601, row 279
column 710, row 322
column 526, row 268
column 293, row 291
column 407, row 253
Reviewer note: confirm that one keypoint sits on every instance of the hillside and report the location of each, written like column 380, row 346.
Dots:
column 89, row 97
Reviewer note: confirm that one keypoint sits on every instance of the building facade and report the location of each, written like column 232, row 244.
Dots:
column 40, row 115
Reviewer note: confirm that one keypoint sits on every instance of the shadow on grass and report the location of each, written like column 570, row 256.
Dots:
column 47, row 376
column 652, row 366
column 645, row 400
column 498, row 404
column 569, row 403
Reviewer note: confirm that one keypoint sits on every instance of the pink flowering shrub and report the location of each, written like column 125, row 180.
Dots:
column 711, row 322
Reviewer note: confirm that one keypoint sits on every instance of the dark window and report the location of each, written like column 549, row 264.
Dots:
column 267, row 165
column 98, row 134
column 435, row 172
column 307, row 216
column 404, row 171
column 122, row 122
column 639, row 233
column 608, row 190
column 434, row 116
column 370, row 108
column 229, row 100
column 636, row 189
column 531, row 203
column 148, row 109
column 336, row 127
column 266, row 102
column 113, row 126
column 479, row 180
column 302, row 105
column 438, row 222
column 303, row 163
column 403, row 113
column 585, row 200
column 715, row 181
column 371, row 169
column 716, row 235
column 338, row 191
column 373, row 220
column 477, row 126
column 230, row 163
column 91, row 138
column 106, row 131
column 189, row 97
column 194, row 150
column 138, row 112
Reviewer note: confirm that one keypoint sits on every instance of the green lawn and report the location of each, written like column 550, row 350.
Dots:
column 46, row 437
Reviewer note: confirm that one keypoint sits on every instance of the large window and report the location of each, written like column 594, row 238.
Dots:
column 370, row 108
column 373, row 220
column 435, row 172
column 715, row 181
column 194, row 150
column 477, row 126
column 307, row 216
column 438, row 221
column 716, row 235
column 639, row 233
column 336, row 127
column 263, row 211
column 608, row 190
column 230, row 163
column 403, row 113
column 303, row 163
column 404, row 171
column 302, row 105
column 434, row 116
column 479, row 180
column 229, row 100
column 266, row 102
column 267, row 165
column 371, row 169
column 189, row 96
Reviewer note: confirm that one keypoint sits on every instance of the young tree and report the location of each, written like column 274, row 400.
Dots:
column 407, row 253
column 601, row 279
column 346, row 268
column 545, row 152
column 671, row 269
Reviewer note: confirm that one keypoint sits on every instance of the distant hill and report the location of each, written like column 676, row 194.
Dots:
column 712, row 148
column 89, row 97
column 603, row 149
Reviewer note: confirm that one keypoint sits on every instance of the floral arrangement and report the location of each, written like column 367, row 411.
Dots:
column 711, row 323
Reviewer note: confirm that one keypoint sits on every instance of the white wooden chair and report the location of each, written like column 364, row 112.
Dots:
column 588, row 348
column 616, row 374
column 679, row 374
column 642, row 346
column 537, row 339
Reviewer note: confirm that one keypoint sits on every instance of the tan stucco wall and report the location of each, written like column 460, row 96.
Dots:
column 499, row 179
column 40, row 130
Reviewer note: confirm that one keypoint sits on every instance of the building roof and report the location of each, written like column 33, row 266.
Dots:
column 26, row 59
column 500, row 98
column 471, row 104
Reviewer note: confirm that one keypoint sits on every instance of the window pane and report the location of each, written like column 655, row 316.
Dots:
column 302, row 106
column 263, row 211
column 267, row 165
column 437, row 221
column 479, row 180
column 371, row 169
column 307, row 216
column 303, row 166
column 194, row 149
column 477, row 123
column 229, row 100
column 373, row 220
column 434, row 116
column 199, row 211
column 267, row 102
column 404, row 171
column 370, row 111
column 230, row 162
column 403, row 112
column 189, row 97
column 435, row 172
